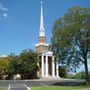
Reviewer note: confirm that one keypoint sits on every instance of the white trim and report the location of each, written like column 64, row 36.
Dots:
column 44, row 44
column 48, row 53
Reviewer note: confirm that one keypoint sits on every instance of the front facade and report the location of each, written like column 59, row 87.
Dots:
column 47, row 65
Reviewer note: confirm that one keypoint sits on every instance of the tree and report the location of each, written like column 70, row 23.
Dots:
column 4, row 66
column 71, row 38
column 24, row 64
column 29, row 62
column 62, row 72
column 14, row 65
column 80, row 75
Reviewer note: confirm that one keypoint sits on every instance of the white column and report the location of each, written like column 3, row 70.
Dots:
column 42, row 65
column 46, row 66
column 53, row 67
column 57, row 73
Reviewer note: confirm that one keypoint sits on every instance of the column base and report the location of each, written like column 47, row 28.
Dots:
column 53, row 76
column 57, row 76
column 46, row 75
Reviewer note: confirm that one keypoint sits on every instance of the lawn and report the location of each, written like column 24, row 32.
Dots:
column 60, row 88
column 55, row 88
column 3, row 88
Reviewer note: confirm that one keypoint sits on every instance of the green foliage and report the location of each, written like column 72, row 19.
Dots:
column 4, row 66
column 29, row 62
column 62, row 71
column 71, row 38
column 80, row 75
column 24, row 64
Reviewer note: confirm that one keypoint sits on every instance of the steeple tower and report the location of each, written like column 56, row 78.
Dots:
column 46, row 63
column 42, row 45
column 42, row 30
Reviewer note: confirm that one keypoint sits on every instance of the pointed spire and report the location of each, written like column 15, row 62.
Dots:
column 42, row 31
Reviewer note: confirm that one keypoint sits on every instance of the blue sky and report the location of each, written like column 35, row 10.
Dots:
column 19, row 25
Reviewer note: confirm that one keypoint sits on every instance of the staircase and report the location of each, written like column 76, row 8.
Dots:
column 51, row 78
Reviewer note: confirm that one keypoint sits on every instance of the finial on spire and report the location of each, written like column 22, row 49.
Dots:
column 41, row 2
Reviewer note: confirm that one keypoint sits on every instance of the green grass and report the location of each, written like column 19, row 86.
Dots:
column 3, row 88
column 55, row 88
column 60, row 88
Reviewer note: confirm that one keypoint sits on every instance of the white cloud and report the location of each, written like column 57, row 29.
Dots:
column 5, row 15
column 3, row 56
column 3, row 8
column 3, row 12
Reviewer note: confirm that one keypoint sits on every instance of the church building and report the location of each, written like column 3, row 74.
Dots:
column 48, row 67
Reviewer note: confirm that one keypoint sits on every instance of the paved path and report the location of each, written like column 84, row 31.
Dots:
column 17, row 87
column 31, row 83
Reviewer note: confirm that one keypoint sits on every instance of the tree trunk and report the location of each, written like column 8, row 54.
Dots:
column 86, row 71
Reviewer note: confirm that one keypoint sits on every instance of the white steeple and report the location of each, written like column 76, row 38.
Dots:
column 41, row 31
column 42, row 46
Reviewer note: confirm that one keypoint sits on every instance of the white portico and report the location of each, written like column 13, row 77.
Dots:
column 48, row 67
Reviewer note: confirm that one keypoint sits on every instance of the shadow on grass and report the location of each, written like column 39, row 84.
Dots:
column 68, row 83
